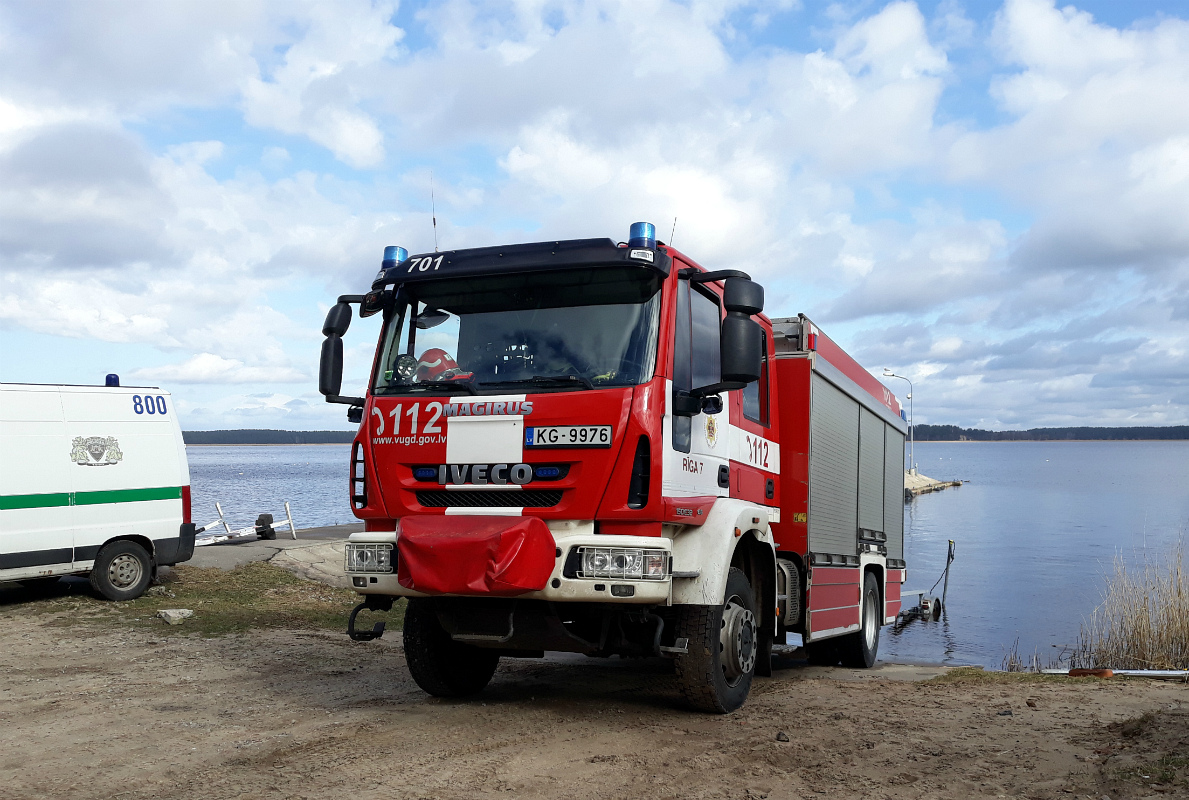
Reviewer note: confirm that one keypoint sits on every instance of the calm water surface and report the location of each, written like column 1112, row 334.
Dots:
column 1036, row 528
column 248, row 481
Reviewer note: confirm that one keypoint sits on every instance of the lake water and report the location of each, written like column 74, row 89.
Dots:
column 1037, row 528
column 248, row 481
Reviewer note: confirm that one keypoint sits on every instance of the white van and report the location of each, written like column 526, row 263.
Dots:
column 93, row 479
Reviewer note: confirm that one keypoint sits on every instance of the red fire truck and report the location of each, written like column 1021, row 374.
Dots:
column 606, row 449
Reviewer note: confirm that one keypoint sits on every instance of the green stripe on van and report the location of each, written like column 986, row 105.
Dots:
column 36, row 500
column 14, row 501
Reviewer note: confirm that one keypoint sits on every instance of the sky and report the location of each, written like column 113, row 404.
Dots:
column 991, row 199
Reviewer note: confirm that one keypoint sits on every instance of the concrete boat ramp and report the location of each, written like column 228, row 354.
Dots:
column 316, row 554
column 916, row 484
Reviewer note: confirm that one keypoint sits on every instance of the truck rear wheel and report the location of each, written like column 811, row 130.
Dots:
column 122, row 571
column 441, row 666
column 859, row 649
column 715, row 675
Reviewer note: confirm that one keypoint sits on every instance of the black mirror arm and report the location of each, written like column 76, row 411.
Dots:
column 351, row 298
column 715, row 388
column 697, row 276
column 346, row 401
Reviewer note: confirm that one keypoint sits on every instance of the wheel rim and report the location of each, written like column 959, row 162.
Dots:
column 737, row 640
column 124, row 571
column 870, row 628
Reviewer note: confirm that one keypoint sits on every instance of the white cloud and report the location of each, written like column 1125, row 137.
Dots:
column 210, row 368
column 824, row 171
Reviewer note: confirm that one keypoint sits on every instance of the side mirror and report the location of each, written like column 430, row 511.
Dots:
column 742, row 296
column 355, row 414
column 373, row 303
column 687, row 404
column 330, row 365
column 740, row 353
column 338, row 319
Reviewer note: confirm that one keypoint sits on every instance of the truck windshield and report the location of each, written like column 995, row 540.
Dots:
column 572, row 329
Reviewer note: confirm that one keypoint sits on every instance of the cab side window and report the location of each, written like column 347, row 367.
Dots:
column 696, row 359
column 755, row 395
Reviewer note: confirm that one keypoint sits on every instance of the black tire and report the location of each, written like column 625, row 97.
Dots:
column 122, row 571
column 441, row 666
column 859, row 649
column 716, row 674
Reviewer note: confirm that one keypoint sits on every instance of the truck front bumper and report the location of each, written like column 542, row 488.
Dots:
column 558, row 588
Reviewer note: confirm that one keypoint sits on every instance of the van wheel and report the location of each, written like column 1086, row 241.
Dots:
column 715, row 675
column 440, row 665
column 858, row 649
column 122, row 571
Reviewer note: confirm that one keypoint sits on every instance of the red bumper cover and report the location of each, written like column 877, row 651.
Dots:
column 475, row 555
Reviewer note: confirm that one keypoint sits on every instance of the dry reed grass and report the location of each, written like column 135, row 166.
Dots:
column 1143, row 620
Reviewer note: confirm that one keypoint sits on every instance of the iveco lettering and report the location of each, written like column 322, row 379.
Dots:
column 607, row 448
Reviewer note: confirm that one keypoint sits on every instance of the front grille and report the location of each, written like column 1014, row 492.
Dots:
column 529, row 498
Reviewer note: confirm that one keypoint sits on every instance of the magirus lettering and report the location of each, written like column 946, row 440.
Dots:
column 488, row 409
column 484, row 474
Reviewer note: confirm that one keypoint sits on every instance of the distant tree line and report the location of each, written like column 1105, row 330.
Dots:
column 250, row 436
column 952, row 433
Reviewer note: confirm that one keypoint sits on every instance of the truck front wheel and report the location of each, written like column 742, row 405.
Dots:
column 440, row 665
column 715, row 674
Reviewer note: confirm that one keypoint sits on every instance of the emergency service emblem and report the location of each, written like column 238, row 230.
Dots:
column 95, row 451
column 711, row 431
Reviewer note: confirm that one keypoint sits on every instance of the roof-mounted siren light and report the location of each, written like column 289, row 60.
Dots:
column 112, row 379
column 642, row 234
column 393, row 255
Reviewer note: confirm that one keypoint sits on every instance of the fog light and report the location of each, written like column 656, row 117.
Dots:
column 369, row 558
column 624, row 562
column 622, row 591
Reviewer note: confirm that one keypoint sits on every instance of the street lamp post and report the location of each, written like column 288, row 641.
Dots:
column 912, row 458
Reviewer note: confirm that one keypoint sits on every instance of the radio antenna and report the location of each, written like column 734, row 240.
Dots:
column 673, row 232
column 433, row 212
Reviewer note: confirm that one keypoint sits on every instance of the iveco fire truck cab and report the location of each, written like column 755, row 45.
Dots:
column 604, row 448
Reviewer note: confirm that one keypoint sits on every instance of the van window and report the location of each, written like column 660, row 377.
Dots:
column 755, row 395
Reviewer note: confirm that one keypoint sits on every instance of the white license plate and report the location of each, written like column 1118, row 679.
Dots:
column 568, row 436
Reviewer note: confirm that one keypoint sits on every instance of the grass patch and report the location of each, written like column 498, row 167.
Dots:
column 251, row 596
column 1143, row 620
column 1169, row 769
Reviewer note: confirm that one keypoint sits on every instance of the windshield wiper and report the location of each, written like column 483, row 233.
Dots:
column 464, row 386
column 547, row 380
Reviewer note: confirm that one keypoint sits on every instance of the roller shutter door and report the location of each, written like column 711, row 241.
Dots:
column 894, row 491
column 871, row 471
column 833, row 470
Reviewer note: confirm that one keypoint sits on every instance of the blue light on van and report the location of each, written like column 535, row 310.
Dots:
column 547, row 472
column 642, row 234
column 393, row 255
column 425, row 473
column 113, row 379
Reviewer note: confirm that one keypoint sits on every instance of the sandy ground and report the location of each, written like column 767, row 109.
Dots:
column 96, row 711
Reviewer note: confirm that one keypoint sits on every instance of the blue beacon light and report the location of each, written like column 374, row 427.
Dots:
column 393, row 255
column 642, row 234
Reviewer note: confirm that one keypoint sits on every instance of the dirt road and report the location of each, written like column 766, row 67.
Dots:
column 101, row 711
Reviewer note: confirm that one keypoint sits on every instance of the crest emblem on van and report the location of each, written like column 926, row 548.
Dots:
column 95, row 451
column 711, row 431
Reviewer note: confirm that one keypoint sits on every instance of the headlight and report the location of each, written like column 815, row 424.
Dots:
column 624, row 562
column 369, row 558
